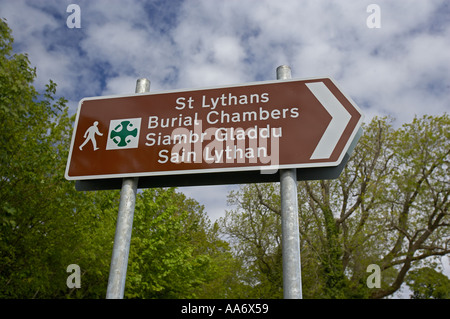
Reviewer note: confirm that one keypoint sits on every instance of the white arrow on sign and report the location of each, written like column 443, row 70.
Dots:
column 339, row 120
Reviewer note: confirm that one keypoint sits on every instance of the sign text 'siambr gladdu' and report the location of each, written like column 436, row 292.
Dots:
column 281, row 124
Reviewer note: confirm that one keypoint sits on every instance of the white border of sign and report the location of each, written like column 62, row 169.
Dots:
column 264, row 169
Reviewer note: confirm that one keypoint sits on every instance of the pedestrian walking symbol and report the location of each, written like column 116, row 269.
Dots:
column 123, row 134
column 89, row 135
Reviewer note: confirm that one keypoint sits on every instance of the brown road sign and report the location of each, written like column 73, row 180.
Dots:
column 256, row 127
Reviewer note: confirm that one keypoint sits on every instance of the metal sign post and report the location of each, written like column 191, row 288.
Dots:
column 220, row 135
column 292, row 279
column 122, row 239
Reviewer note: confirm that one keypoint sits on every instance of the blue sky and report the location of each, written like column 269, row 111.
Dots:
column 401, row 69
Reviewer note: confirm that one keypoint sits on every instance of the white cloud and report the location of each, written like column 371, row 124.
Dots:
column 117, row 43
column 402, row 69
column 28, row 24
column 214, row 198
column 28, row 21
column 120, row 85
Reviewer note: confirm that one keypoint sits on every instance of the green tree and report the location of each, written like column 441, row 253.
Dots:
column 255, row 234
column 164, row 262
column 46, row 225
column 389, row 207
column 175, row 253
column 427, row 283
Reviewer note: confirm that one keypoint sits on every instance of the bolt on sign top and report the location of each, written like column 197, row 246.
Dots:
column 243, row 130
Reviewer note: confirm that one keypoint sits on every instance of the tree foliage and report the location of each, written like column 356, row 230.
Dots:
column 389, row 207
column 175, row 253
column 45, row 225
column 427, row 283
